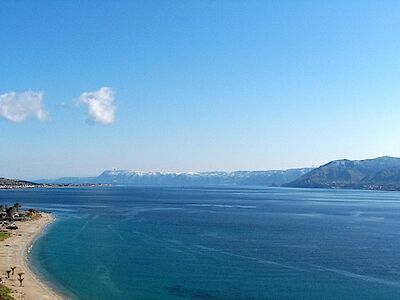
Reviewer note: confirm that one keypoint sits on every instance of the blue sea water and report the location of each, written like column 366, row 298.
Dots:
column 217, row 243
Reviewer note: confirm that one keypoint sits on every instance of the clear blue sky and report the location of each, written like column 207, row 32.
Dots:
column 200, row 85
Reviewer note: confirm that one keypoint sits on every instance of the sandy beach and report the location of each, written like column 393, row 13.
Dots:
column 13, row 252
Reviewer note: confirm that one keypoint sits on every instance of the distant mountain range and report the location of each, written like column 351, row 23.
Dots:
column 124, row 177
column 382, row 173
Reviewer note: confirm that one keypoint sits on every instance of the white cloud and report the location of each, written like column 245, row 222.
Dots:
column 17, row 107
column 100, row 106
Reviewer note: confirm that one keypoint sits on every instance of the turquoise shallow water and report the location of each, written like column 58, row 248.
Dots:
column 218, row 243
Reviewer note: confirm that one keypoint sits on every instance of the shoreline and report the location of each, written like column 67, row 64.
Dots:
column 14, row 252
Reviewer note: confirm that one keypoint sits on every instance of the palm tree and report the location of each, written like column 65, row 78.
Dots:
column 20, row 274
column 20, row 281
column 13, row 269
column 8, row 273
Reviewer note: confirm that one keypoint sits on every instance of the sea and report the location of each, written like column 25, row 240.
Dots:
column 216, row 243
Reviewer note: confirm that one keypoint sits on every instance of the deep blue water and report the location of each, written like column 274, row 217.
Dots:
column 218, row 243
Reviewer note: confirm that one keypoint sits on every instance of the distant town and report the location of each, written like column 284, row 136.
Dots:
column 21, row 184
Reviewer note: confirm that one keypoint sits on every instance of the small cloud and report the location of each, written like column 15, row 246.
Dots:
column 100, row 106
column 17, row 107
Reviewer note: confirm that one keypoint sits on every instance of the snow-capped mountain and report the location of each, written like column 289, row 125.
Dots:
column 126, row 177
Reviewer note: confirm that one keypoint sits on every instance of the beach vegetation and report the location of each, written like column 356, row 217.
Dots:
column 4, row 235
column 5, row 293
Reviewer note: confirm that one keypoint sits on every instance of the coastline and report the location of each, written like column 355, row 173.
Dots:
column 14, row 252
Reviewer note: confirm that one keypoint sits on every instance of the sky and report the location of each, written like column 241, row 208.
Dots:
column 195, row 85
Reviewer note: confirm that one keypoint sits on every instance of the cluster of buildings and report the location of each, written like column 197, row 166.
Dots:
column 7, row 213
column 10, row 214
